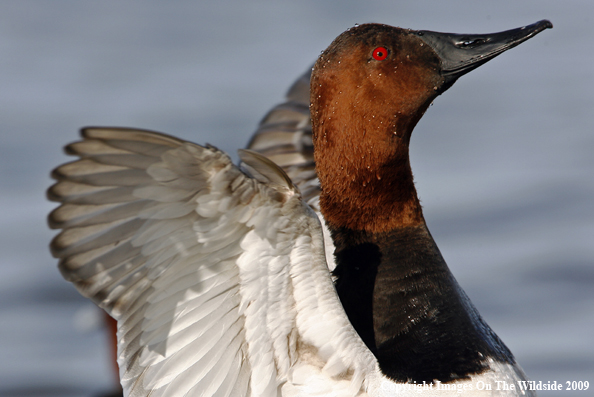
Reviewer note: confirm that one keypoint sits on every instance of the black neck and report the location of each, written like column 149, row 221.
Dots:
column 409, row 310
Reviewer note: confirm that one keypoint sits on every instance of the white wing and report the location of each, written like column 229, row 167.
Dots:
column 217, row 278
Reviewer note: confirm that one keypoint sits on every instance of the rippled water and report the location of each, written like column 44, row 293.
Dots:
column 503, row 161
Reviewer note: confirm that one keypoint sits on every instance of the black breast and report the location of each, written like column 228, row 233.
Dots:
column 409, row 310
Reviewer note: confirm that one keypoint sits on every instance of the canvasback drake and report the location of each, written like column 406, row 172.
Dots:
column 218, row 275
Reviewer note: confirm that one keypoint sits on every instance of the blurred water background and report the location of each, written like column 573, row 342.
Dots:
column 504, row 161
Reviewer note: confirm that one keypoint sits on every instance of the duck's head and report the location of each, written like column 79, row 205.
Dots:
column 369, row 89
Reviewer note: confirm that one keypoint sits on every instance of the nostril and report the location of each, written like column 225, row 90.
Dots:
column 471, row 43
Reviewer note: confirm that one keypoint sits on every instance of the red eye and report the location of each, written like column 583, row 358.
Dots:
column 380, row 53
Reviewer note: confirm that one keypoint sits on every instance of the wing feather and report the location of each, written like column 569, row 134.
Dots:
column 77, row 193
column 217, row 276
column 284, row 136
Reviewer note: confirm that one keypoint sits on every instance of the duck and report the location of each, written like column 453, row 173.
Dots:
column 305, row 270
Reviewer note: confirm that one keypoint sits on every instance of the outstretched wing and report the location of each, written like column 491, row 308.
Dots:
column 216, row 276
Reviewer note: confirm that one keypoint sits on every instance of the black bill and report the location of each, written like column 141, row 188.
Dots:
column 461, row 53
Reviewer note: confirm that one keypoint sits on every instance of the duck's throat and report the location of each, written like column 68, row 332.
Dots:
column 375, row 197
